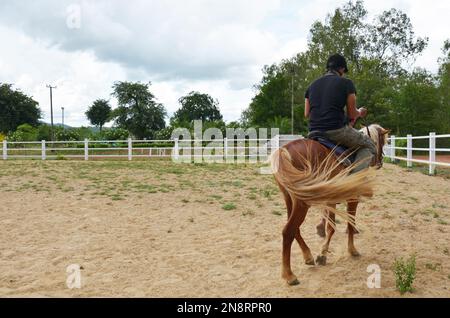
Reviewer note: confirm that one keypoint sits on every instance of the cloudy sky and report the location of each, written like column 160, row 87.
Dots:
column 213, row 46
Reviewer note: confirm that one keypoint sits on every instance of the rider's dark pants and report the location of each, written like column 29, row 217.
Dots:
column 351, row 138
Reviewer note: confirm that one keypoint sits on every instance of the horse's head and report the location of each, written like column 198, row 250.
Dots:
column 379, row 136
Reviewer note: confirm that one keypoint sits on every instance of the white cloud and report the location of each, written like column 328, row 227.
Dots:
column 80, row 77
column 216, row 47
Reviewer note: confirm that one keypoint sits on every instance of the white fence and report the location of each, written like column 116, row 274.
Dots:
column 240, row 149
column 390, row 151
column 255, row 150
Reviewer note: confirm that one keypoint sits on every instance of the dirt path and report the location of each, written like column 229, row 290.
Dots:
column 156, row 229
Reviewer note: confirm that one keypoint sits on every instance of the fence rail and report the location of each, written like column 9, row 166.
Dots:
column 391, row 148
column 256, row 149
column 250, row 148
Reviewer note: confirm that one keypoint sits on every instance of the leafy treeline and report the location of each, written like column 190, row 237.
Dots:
column 138, row 115
column 380, row 55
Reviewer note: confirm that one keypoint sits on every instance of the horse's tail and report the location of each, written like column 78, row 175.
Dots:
column 319, row 183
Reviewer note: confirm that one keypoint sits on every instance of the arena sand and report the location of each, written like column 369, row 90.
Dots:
column 158, row 229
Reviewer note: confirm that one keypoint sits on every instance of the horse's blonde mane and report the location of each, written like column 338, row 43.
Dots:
column 374, row 130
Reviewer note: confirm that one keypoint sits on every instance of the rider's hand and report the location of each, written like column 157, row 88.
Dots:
column 362, row 112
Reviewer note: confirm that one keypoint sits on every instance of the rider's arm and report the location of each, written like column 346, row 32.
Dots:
column 307, row 107
column 352, row 113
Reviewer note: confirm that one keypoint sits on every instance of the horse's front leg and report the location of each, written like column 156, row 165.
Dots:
column 351, row 209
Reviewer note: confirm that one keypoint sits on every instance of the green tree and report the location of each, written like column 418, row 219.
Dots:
column 444, row 90
column 273, row 100
column 375, row 53
column 417, row 104
column 196, row 106
column 282, row 123
column 16, row 109
column 138, row 111
column 99, row 113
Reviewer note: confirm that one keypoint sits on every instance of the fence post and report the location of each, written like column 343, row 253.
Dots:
column 130, row 149
column 432, row 166
column 393, row 148
column 43, row 150
column 176, row 149
column 225, row 148
column 5, row 149
column 409, row 150
column 276, row 143
column 86, row 149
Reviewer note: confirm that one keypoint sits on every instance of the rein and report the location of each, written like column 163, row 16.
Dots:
column 368, row 132
column 380, row 152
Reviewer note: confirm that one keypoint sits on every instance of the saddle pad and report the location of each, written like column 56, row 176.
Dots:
column 338, row 150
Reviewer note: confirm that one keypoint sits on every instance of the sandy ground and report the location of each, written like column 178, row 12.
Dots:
column 157, row 229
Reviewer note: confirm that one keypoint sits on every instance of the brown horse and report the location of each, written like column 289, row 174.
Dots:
column 307, row 174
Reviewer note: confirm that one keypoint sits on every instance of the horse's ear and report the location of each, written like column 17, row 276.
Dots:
column 385, row 131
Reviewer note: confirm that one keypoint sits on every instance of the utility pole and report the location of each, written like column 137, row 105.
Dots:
column 51, row 110
column 62, row 108
column 292, row 98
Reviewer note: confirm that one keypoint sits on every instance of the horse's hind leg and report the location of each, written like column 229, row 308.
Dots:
column 322, row 258
column 296, row 217
column 307, row 255
column 351, row 209
column 321, row 228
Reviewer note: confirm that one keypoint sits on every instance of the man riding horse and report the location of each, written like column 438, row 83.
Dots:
column 325, row 100
column 311, row 171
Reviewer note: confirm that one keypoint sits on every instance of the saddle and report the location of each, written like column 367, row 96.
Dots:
column 342, row 154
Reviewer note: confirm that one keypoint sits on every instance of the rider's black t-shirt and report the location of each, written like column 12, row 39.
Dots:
column 328, row 98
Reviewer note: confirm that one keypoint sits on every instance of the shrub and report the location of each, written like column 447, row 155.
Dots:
column 44, row 132
column 70, row 134
column 164, row 134
column 400, row 143
column 115, row 134
column 24, row 132
column 405, row 273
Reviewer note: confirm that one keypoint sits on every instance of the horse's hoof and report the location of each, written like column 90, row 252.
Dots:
column 354, row 253
column 320, row 230
column 310, row 262
column 321, row 260
column 293, row 282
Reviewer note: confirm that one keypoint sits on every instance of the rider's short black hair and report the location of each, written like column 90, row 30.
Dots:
column 335, row 62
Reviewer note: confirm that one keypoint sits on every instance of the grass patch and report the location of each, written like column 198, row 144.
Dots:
column 405, row 274
column 229, row 206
